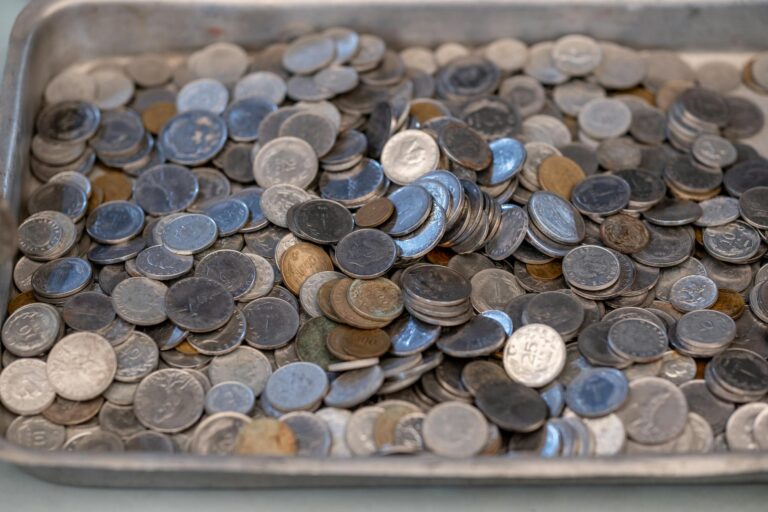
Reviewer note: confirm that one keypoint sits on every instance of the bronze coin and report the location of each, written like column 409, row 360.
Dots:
column 360, row 343
column 335, row 345
column 185, row 348
column 374, row 213
column 324, row 300
column 20, row 300
column 465, row 146
column 97, row 197
column 729, row 302
column 669, row 92
column 545, row 271
column 683, row 194
column 114, row 184
column 642, row 93
column 559, row 174
column 156, row 115
column 301, row 261
column 424, row 109
column 266, row 436
column 384, row 426
column 69, row 412
column 440, row 256
column 375, row 299
column 624, row 233
column 344, row 310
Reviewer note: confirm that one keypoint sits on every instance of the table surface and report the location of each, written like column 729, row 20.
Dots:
column 19, row 491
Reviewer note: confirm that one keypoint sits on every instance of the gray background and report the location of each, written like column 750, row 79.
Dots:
column 23, row 493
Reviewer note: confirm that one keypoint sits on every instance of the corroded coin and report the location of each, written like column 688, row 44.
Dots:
column 198, row 304
column 266, row 436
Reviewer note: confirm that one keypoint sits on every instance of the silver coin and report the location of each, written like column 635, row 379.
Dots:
column 81, row 366
column 61, row 278
column 68, row 121
column 493, row 289
column 245, row 365
column 591, row 267
column 454, row 429
column 116, row 253
column 359, row 434
column 165, row 188
column 115, row 222
column 677, row 368
column 285, row 160
column 96, row 440
column 309, row 53
column 337, row 420
column 560, row 311
column 169, row 401
column 189, row 234
column 601, row 195
column 37, row 433
column 158, row 263
column 735, row 242
column 510, row 234
column 655, row 412
column 229, row 397
column 198, row 304
column 693, row 292
column 193, row 137
column 265, row 279
column 47, row 235
column 223, row 340
column 272, row 323
column 310, row 287
column 232, row 269
column 119, row 419
column 740, row 428
column 312, row 433
column 137, row 357
column 217, row 434
column 296, row 386
column 366, row 253
column 31, row 330
column 140, row 301
column 604, row 118
column 534, row 355
column 204, row 94
column 88, row 311
column 424, row 239
column 354, row 387
column 278, row 199
column 638, row 340
column 58, row 196
column 556, row 218
column 597, row 392
column 409, row 155
column 24, row 387
column 409, row 335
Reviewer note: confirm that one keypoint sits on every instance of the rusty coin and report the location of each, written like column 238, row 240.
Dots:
column 624, row 233
column 374, row 213
column 559, row 174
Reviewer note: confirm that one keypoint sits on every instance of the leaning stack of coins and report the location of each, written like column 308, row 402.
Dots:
column 328, row 247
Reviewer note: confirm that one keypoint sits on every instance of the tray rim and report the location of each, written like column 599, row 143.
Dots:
column 639, row 469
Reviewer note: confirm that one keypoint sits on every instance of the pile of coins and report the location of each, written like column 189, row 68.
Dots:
column 327, row 247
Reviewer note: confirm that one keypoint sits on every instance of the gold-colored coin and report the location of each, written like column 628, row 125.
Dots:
column 97, row 197
column 20, row 300
column 358, row 343
column 156, row 115
column 374, row 213
column 185, row 348
column 377, row 299
column 729, row 302
column 642, row 93
column 266, row 436
column 384, row 426
column 115, row 185
column 301, row 261
column 545, row 271
column 345, row 312
column 669, row 92
column 683, row 194
column 424, row 109
column 440, row 256
column 559, row 174
column 324, row 301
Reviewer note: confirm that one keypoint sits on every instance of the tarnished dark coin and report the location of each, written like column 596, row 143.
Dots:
column 624, row 233
column 465, row 146
column 68, row 121
column 271, row 323
column 366, row 253
column 165, row 189
column 321, row 221
column 511, row 406
column 88, row 311
column 193, row 137
column 199, row 304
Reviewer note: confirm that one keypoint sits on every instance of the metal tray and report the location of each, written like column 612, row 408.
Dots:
column 50, row 35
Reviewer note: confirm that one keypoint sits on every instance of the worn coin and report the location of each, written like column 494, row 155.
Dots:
column 198, row 304
column 81, row 366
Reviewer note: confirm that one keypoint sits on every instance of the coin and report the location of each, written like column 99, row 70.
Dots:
column 560, row 175
column 140, row 301
column 296, row 386
column 301, row 261
column 88, row 311
column 198, row 304
column 655, row 411
column 81, row 366
column 285, row 160
column 266, row 436
column 24, row 387
column 271, row 323
column 31, row 330
column 167, row 391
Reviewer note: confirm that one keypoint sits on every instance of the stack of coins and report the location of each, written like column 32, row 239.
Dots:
column 328, row 247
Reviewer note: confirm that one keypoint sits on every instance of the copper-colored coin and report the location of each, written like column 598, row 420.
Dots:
column 642, row 93
column 384, row 426
column 559, row 174
column 335, row 345
column 156, row 115
column 729, row 302
column 68, row 412
column 324, row 301
column 266, row 436
column 374, row 213
column 359, row 343
column 115, row 185
column 440, row 256
column 20, row 300
column 682, row 194
column 669, row 92
column 624, row 233
column 185, row 348
column 701, row 368
column 344, row 310
column 301, row 261
column 375, row 299
column 97, row 197
column 698, row 234
column 545, row 271
column 749, row 80
column 422, row 110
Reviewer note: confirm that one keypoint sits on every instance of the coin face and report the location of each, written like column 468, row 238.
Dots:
column 169, row 401
column 538, row 344
column 301, row 261
column 81, row 366
column 198, row 304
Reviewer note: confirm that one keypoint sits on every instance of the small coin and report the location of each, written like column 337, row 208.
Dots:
column 296, row 386
column 597, row 392
column 88, row 311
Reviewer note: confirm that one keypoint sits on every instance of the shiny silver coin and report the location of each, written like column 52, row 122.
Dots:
column 556, row 218
column 37, row 433
column 739, row 431
column 297, row 386
column 510, row 234
column 204, row 94
column 597, row 392
column 158, row 263
column 638, row 340
column 591, row 267
column 81, row 366
column 189, row 234
column 115, row 222
column 354, row 387
column 198, row 304
column 165, row 189
column 169, row 401
column 412, row 208
column 115, row 253
column 534, row 355
column 691, row 293
column 193, row 137
column 229, row 397
column 285, row 160
column 61, row 278
column 31, row 330
column 217, row 434
column 47, row 235
column 601, row 195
